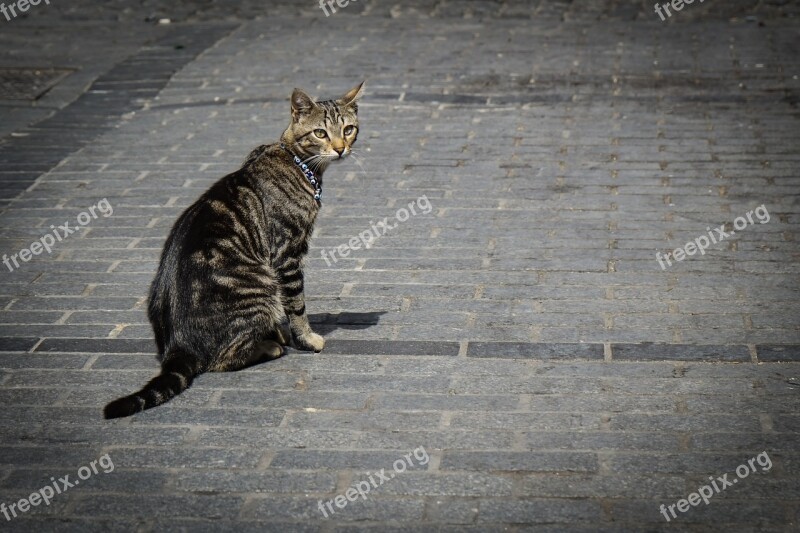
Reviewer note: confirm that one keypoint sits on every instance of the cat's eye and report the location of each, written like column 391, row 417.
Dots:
column 348, row 130
column 321, row 133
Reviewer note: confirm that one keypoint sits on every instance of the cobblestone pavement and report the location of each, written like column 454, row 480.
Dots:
column 521, row 336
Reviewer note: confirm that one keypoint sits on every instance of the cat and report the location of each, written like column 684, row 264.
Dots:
column 228, row 292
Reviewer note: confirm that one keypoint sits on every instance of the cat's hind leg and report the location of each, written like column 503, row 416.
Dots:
column 254, row 333
column 247, row 353
column 268, row 349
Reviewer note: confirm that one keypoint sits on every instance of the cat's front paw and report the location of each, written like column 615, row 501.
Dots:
column 310, row 341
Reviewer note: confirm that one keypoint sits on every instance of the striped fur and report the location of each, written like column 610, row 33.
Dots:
column 228, row 292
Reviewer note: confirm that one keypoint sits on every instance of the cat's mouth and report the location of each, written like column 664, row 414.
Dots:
column 336, row 156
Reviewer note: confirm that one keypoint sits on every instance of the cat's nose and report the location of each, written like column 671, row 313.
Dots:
column 340, row 152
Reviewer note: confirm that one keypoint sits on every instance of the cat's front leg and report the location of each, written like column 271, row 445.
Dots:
column 294, row 303
column 307, row 339
column 303, row 336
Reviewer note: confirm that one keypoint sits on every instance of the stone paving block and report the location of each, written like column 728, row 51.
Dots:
column 333, row 460
column 600, row 403
column 535, row 351
column 116, row 480
column 682, row 422
column 30, row 317
column 34, row 515
column 755, row 442
column 391, row 348
column 255, row 482
column 435, row 402
column 450, row 439
column 174, row 457
column 520, row 461
column 76, row 525
column 775, row 353
column 18, row 344
column 133, row 436
column 613, row 487
column 788, row 461
column 373, row 509
column 19, row 397
column 581, row 439
column 37, row 415
column 96, row 346
column 680, row 385
column 527, row 421
column 735, row 405
column 678, row 464
column 265, row 524
column 321, row 364
column 461, row 511
column 210, row 416
column 386, row 420
column 58, row 330
column 614, row 369
column 60, row 378
column 544, row 511
column 202, row 506
column 196, row 399
column 446, row 484
column 420, row 366
column 30, row 456
column 282, row 437
column 43, row 361
column 528, row 385
column 247, row 379
column 731, row 514
column 292, row 400
column 354, row 382
column 125, row 361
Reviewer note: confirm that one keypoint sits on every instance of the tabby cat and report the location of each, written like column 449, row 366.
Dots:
column 228, row 292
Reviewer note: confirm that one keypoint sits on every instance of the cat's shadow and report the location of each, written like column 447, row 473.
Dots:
column 324, row 323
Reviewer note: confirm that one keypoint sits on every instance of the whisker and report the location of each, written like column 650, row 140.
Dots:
column 314, row 162
column 358, row 162
column 321, row 161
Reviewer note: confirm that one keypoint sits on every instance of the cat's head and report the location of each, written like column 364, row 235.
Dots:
column 327, row 129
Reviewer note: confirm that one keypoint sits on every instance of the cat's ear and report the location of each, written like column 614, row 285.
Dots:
column 301, row 103
column 352, row 95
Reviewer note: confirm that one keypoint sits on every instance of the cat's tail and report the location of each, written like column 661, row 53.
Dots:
column 177, row 373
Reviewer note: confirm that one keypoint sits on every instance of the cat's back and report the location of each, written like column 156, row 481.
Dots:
column 252, row 206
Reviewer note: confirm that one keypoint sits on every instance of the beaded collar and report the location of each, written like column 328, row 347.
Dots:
column 312, row 179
